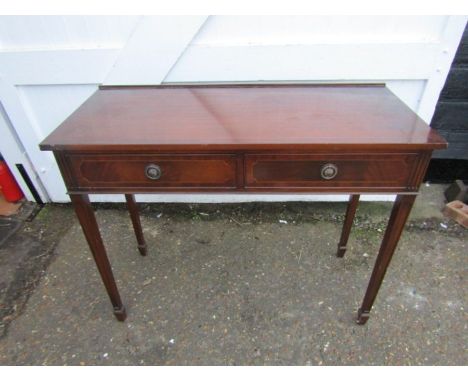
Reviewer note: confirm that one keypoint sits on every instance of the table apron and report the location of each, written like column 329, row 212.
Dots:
column 388, row 173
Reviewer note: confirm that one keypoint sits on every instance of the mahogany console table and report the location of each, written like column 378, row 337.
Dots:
column 350, row 139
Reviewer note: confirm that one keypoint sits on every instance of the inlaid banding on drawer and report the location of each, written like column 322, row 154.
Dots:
column 176, row 171
column 324, row 170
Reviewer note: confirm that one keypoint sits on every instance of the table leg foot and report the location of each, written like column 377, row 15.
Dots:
column 341, row 251
column 362, row 317
column 120, row 313
column 143, row 250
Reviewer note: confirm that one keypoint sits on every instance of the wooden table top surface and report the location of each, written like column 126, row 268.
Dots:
column 243, row 118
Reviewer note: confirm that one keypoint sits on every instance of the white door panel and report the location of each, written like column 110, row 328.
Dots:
column 50, row 64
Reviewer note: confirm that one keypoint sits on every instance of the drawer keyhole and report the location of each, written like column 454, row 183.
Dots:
column 153, row 171
column 329, row 171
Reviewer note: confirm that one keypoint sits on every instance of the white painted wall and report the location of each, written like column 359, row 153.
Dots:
column 50, row 64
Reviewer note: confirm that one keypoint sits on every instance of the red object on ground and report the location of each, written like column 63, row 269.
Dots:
column 10, row 188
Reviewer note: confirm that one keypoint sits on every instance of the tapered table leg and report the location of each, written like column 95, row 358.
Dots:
column 133, row 209
column 348, row 223
column 90, row 228
column 400, row 212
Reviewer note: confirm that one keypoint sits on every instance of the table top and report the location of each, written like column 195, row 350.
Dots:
column 242, row 118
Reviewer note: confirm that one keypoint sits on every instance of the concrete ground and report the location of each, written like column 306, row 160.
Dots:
column 231, row 285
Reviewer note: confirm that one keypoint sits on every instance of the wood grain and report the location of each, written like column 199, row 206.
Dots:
column 242, row 118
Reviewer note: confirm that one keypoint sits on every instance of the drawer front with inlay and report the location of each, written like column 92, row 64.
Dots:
column 337, row 171
column 146, row 171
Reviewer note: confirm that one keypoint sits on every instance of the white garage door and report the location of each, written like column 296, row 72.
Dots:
column 50, row 64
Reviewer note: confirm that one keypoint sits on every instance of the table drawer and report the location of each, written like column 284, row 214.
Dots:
column 390, row 171
column 146, row 171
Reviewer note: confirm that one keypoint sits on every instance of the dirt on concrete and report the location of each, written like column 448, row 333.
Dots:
column 26, row 251
column 236, row 284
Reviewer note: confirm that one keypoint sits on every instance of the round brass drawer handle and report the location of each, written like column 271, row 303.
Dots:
column 329, row 171
column 153, row 171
